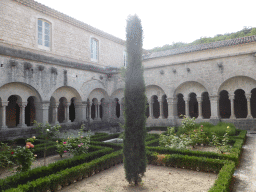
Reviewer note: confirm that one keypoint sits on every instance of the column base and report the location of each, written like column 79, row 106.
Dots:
column 22, row 125
column 3, row 127
column 249, row 117
column 232, row 117
column 67, row 121
column 214, row 120
column 55, row 123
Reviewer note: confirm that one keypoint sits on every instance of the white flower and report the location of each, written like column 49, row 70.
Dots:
column 47, row 130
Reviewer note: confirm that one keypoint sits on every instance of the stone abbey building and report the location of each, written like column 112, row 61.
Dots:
column 56, row 69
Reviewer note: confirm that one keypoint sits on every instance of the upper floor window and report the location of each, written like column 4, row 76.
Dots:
column 125, row 59
column 94, row 49
column 44, row 34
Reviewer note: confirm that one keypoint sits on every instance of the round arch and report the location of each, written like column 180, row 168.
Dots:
column 67, row 92
column 188, row 87
column 238, row 82
column 89, row 86
column 24, row 91
column 154, row 90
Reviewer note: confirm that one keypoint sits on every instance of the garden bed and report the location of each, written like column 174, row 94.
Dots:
column 37, row 163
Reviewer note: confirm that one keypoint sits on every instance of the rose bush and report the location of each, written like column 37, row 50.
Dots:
column 46, row 132
column 23, row 156
column 6, row 155
column 76, row 146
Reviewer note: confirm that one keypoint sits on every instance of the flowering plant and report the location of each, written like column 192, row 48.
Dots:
column 173, row 141
column 62, row 147
column 79, row 145
column 46, row 132
column 6, row 155
column 76, row 146
column 188, row 123
column 198, row 136
column 24, row 155
column 222, row 145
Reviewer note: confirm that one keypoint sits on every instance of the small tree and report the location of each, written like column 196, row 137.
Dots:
column 134, row 105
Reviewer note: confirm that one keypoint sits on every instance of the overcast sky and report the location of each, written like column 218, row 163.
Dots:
column 163, row 21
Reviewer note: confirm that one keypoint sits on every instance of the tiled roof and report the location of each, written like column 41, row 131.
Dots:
column 51, row 12
column 200, row 47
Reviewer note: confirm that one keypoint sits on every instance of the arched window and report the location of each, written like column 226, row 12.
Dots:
column 43, row 34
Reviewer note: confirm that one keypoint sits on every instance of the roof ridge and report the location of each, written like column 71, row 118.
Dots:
column 200, row 47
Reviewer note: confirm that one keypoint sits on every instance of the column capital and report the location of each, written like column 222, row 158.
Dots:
column 56, row 105
column 171, row 101
column 231, row 97
column 4, row 104
column 199, row 99
column 22, row 104
column 214, row 97
column 78, row 104
column 248, row 96
column 67, row 104
column 186, row 99
column 42, row 105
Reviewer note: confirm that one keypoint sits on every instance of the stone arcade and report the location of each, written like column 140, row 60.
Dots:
column 56, row 69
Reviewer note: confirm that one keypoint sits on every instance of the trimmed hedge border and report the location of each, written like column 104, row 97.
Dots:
column 22, row 178
column 157, row 128
column 223, row 164
column 67, row 176
column 107, row 137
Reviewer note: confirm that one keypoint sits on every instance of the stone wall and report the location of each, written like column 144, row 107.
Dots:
column 69, row 38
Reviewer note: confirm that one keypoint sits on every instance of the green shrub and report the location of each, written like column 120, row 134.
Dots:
column 205, row 124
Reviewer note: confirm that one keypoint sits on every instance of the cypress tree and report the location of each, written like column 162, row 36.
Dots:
column 134, row 105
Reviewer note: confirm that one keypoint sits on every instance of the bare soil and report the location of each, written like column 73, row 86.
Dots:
column 156, row 178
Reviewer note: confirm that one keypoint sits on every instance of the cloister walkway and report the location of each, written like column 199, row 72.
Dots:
column 245, row 174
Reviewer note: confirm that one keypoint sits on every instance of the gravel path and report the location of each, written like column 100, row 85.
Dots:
column 245, row 174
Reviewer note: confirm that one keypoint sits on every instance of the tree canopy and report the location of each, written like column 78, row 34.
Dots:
column 246, row 31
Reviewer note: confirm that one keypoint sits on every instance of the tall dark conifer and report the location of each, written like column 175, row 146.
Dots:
column 134, row 104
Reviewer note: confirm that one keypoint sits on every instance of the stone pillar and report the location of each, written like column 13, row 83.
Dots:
column 89, row 111
column 186, row 107
column 214, row 100
column 112, row 109
column 231, row 98
column 249, row 113
column 151, row 110
column 200, row 114
column 97, row 112
column 22, row 106
column 122, row 109
column 55, row 113
column 83, row 107
column 43, row 110
column 3, row 115
column 67, row 120
column 106, row 111
column 172, row 108
column 161, row 109
column 78, row 111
